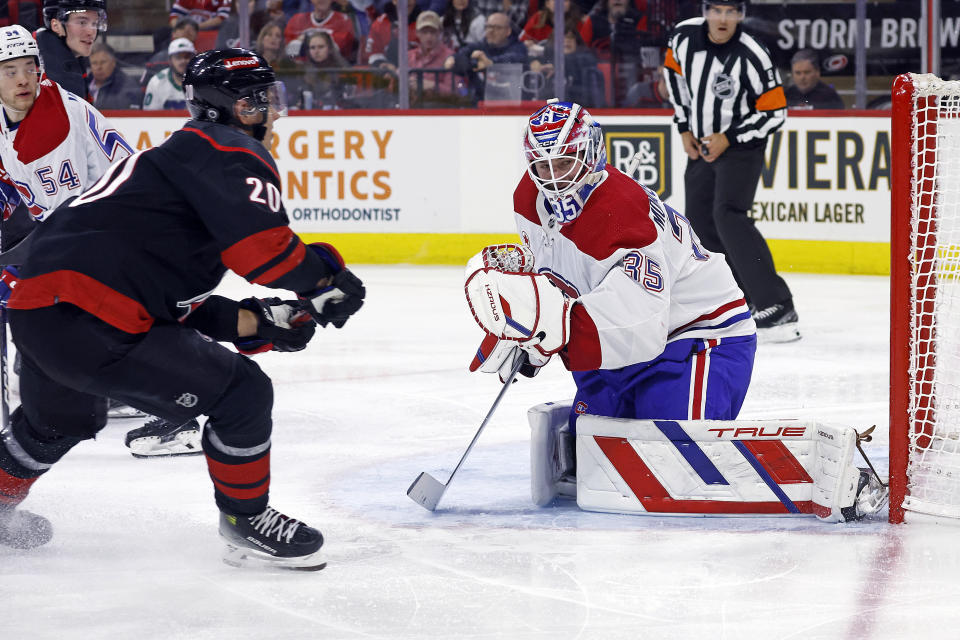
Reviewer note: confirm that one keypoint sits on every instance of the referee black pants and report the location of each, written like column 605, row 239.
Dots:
column 719, row 198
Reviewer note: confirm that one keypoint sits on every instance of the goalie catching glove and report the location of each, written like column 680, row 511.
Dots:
column 524, row 308
column 341, row 298
column 281, row 326
column 510, row 258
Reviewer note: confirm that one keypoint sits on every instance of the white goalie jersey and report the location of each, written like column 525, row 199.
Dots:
column 636, row 269
column 59, row 150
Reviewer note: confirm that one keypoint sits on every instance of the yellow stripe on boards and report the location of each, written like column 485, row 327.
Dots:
column 808, row 256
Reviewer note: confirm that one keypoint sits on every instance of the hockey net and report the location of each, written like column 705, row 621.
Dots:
column 925, row 300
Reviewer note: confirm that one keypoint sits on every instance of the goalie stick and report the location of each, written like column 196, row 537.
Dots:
column 427, row 490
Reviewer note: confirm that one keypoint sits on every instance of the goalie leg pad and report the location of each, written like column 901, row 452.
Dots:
column 552, row 457
column 723, row 468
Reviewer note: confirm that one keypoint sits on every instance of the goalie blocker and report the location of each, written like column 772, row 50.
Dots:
column 700, row 467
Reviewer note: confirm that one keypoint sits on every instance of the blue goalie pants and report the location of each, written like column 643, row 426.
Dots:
column 692, row 379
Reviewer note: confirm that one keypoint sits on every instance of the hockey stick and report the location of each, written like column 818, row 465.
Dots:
column 634, row 165
column 4, row 376
column 427, row 490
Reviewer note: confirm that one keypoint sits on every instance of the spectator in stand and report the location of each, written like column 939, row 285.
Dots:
column 808, row 91
column 323, row 17
column 72, row 26
column 430, row 53
column 269, row 43
column 274, row 11
column 584, row 83
column 540, row 27
column 380, row 49
column 182, row 28
column 208, row 14
column 617, row 29
column 498, row 47
column 228, row 35
column 109, row 86
column 358, row 16
column 320, row 85
column 165, row 90
column 462, row 24
column 649, row 93
column 516, row 11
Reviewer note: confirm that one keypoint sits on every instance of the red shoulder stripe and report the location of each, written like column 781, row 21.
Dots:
column 220, row 147
column 45, row 127
column 79, row 289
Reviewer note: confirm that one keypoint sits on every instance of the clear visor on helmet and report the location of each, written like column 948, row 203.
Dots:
column 271, row 97
column 563, row 172
column 96, row 18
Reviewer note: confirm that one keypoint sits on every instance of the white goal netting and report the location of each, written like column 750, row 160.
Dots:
column 933, row 468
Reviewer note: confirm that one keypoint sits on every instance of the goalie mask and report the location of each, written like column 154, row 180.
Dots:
column 565, row 156
column 216, row 80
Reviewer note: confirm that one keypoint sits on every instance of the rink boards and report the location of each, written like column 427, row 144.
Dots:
column 434, row 187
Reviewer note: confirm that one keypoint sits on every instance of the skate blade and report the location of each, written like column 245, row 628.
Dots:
column 125, row 414
column 185, row 443
column 243, row 558
column 783, row 333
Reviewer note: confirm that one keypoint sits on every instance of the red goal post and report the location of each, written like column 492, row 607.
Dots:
column 925, row 300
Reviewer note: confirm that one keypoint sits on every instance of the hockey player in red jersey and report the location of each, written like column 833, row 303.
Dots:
column 116, row 304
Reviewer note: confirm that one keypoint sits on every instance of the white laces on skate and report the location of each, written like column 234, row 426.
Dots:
column 273, row 523
column 765, row 313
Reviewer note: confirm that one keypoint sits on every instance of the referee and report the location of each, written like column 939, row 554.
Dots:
column 727, row 98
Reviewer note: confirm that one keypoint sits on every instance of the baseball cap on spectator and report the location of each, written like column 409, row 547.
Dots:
column 181, row 45
column 428, row 19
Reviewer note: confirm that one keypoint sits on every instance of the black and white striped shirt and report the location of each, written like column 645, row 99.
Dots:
column 730, row 88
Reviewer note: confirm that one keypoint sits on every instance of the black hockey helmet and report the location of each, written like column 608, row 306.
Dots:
column 740, row 6
column 215, row 80
column 59, row 9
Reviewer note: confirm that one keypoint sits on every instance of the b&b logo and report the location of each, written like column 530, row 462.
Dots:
column 652, row 143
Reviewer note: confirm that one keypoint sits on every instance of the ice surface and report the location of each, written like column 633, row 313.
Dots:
column 363, row 410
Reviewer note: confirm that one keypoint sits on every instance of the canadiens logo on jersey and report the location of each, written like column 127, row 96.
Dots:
column 240, row 63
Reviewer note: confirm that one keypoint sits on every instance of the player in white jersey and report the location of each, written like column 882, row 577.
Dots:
column 53, row 146
column 615, row 282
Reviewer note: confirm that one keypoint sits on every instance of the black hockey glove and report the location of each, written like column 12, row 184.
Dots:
column 337, row 302
column 281, row 326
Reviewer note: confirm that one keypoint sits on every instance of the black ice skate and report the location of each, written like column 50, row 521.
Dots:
column 23, row 530
column 271, row 539
column 159, row 438
column 116, row 410
column 777, row 323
